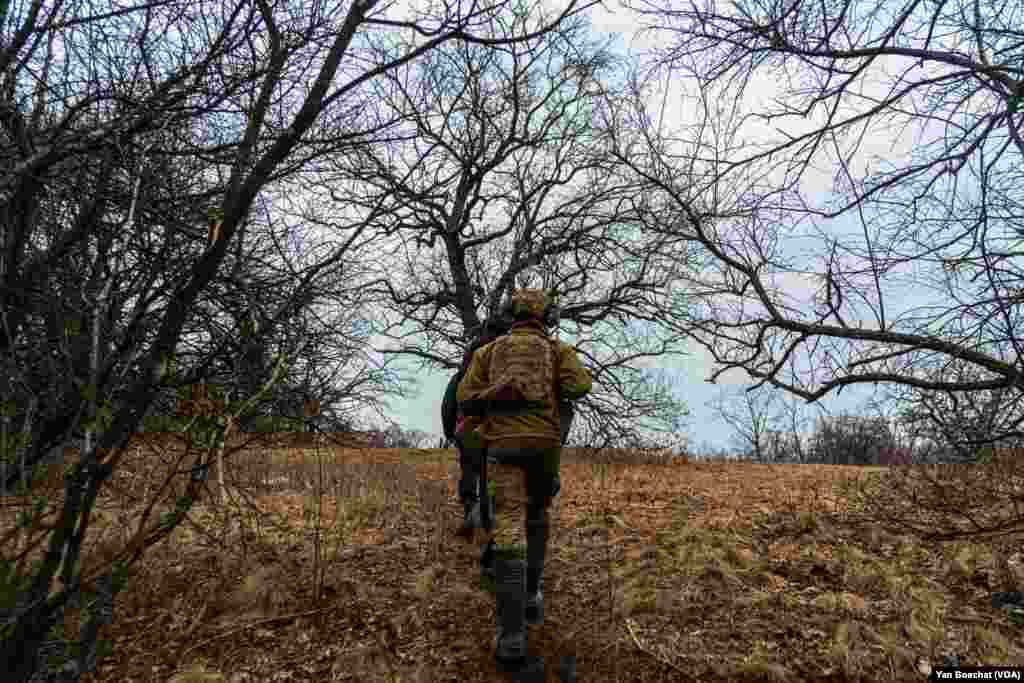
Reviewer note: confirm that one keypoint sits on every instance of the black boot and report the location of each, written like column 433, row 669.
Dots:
column 567, row 669
column 470, row 517
column 537, row 531
column 510, row 608
column 487, row 560
column 534, row 604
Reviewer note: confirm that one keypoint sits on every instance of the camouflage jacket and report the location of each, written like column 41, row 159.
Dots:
column 540, row 423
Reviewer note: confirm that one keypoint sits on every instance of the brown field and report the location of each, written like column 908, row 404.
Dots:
column 656, row 572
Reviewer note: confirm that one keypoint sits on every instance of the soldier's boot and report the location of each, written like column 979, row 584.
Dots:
column 473, row 517
column 537, row 530
column 567, row 669
column 510, row 608
column 470, row 517
column 468, row 494
column 535, row 607
column 487, row 560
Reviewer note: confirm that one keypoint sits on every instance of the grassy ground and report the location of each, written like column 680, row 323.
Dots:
column 656, row 572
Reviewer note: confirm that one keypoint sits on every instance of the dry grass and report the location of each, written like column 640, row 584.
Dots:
column 685, row 571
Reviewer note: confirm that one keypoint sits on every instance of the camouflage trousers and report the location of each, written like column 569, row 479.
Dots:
column 469, row 472
column 527, row 480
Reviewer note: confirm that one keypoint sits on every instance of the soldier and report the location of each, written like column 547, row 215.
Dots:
column 451, row 421
column 510, row 396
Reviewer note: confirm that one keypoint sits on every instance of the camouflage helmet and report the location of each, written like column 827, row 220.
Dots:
column 524, row 304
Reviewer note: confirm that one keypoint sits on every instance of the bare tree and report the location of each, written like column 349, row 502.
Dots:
column 134, row 144
column 767, row 428
column 395, row 436
column 503, row 180
column 849, row 439
column 751, row 415
column 853, row 181
column 266, row 305
column 792, row 441
column 961, row 426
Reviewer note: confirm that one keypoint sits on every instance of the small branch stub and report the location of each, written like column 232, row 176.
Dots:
column 311, row 408
column 214, row 223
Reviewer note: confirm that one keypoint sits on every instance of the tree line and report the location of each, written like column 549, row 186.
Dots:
column 766, row 426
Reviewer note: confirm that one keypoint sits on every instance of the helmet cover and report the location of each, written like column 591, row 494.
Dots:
column 529, row 303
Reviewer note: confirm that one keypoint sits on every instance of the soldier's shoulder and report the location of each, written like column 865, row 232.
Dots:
column 565, row 348
column 481, row 350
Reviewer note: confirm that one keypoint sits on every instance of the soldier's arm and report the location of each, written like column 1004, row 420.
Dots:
column 449, row 407
column 573, row 378
column 474, row 381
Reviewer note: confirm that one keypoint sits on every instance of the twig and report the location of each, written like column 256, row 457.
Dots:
column 268, row 620
column 195, row 622
column 969, row 620
column 636, row 641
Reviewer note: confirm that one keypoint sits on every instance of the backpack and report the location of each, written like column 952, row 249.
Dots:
column 523, row 376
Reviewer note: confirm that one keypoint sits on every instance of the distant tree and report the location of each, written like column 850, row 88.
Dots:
column 851, row 440
column 395, row 436
column 766, row 427
column 750, row 414
column 963, row 426
column 709, row 450
column 782, row 445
